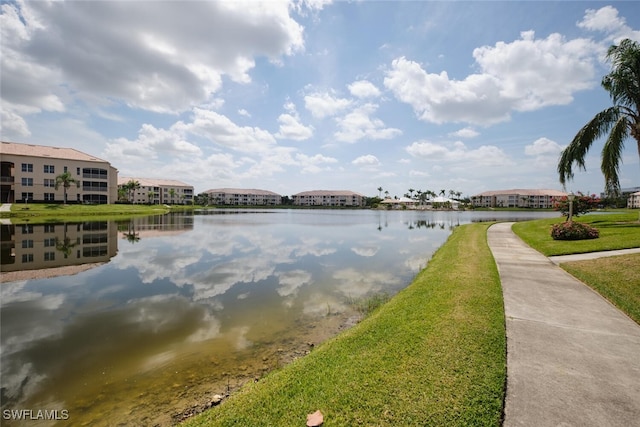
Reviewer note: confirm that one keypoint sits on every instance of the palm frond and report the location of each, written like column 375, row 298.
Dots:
column 576, row 151
column 623, row 82
column 612, row 155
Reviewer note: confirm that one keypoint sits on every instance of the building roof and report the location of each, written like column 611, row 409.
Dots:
column 522, row 192
column 18, row 149
column 248, row 191
column 153, row 182
column 328, row 193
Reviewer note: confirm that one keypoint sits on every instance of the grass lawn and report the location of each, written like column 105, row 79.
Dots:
column 617, row 231
column 615, row 278
column 45, row 212
column 433, row 355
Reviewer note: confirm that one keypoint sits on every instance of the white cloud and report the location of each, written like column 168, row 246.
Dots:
column 607, row 20
column 546, row 153
column 438, row 99
column 314, row 164
column 291, row 127
column 220, row 130
column 485, row 155
column 150, row 144
column 358, row 125
column 524, row 75
column 535, row 73
column 368, row 160
column 465, row 133
column 164, row 57
column 543, row 146
column 364, row 89
column 323, row 105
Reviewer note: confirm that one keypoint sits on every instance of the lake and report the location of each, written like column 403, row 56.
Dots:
column 142, row 322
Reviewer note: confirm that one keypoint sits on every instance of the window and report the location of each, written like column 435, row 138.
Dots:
column 49, row 183
column 49, row 228
column 95, row 173
column 26, row 196
column 77, row 171
column 27, row 257
column 27, row 167
column 27, row 182
column 65, row 169
column 49, row 256
column 49, row 169
column 49, row 242
column 27, row 229
column 49, row 197
column 27, row 244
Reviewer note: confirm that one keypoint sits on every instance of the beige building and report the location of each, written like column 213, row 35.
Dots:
column 329, row 198
column 517, row 198
column 634, row 200
column 243, row 197
column 158, row 191
column 28, row 174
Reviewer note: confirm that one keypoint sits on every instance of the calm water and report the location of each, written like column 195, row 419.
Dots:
column 142, row 322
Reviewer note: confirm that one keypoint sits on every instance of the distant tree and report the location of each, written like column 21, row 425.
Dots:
column 151, row 195
column 380, row 192
column 65, row 179
column 582, row 204
column 411, row 190
column 131, row 186
column 172, row 193
column 619, row 122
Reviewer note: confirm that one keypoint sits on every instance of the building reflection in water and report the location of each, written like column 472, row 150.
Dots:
column 35, row 251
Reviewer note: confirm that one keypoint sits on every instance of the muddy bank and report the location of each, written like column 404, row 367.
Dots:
column 266, row 359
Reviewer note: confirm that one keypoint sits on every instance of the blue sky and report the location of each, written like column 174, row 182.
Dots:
column 313, row 94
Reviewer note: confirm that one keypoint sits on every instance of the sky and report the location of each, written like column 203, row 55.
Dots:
column 300, row 95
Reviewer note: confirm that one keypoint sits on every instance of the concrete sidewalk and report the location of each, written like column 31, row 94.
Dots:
column 573, row 359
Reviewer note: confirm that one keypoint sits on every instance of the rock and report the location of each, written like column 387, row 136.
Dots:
column 216, row 399
column 316, row 419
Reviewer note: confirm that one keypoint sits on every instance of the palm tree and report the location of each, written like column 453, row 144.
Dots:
column 619, row 122
column 131, row 187
column 379, row 192
column 66, row 179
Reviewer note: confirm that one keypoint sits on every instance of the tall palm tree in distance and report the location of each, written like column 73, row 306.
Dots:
column 619, row 122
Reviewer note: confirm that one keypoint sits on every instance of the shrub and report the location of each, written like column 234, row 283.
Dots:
column 571, row 230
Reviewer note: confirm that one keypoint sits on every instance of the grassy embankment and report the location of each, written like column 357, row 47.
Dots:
column 433, row 355
column 34, row 213
column 615, row 278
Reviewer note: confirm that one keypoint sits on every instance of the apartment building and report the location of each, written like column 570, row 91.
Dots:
column 517, row 198
column 243, row 197
column 156, row 191
column 634, row 200
column 329, row 198
column 28, row 174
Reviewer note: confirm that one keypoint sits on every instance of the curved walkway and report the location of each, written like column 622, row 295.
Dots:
column 573, row 359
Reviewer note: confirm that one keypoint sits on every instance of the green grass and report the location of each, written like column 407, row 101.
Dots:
column 617, row 231
column 45, row 212
column 615, row 278
column 433, row 355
